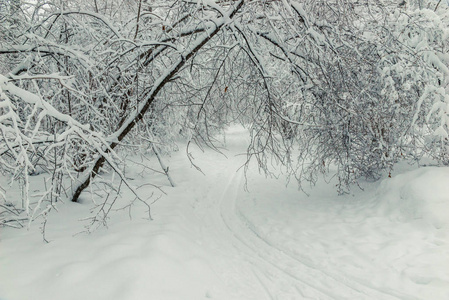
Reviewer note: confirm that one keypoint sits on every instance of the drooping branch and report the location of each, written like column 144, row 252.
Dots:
column 132, row 120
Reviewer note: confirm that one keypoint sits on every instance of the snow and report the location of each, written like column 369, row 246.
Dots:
column 211, row 239
column 40, row 103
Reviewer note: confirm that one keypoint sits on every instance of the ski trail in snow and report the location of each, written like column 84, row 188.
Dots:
column 310, row 281
column 263, row 257
column 351, row 282
column 263, row 284
column 269, row 276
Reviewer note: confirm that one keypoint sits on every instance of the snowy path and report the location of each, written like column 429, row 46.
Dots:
column 281, row 274
column 211, row 239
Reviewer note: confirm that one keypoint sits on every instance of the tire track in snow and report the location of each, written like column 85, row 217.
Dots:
column 304, row 275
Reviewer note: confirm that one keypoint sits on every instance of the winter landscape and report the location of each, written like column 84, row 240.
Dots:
column 211, row 239
column 224, row 149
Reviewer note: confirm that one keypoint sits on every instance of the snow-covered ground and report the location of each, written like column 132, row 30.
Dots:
column 211, row 239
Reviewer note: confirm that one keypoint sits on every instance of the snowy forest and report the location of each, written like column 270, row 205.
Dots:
column 319, row 95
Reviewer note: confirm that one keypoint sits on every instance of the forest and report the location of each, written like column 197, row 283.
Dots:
column 224, row 149
column 359, row 85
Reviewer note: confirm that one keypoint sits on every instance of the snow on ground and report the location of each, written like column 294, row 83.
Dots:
column 211, row 239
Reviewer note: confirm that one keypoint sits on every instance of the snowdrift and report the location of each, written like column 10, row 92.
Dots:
column 418, row 195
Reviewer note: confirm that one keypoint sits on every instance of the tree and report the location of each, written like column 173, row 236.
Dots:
column 114, row 79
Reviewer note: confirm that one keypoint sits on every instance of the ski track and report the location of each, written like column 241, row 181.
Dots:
column 309, row 281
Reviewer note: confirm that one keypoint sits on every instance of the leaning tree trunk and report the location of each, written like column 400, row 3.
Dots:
column 130, row 121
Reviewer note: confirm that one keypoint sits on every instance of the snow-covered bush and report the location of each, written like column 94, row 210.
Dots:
column 38, row 138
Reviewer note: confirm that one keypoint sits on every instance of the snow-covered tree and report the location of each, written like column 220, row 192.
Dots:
column 370, row 86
